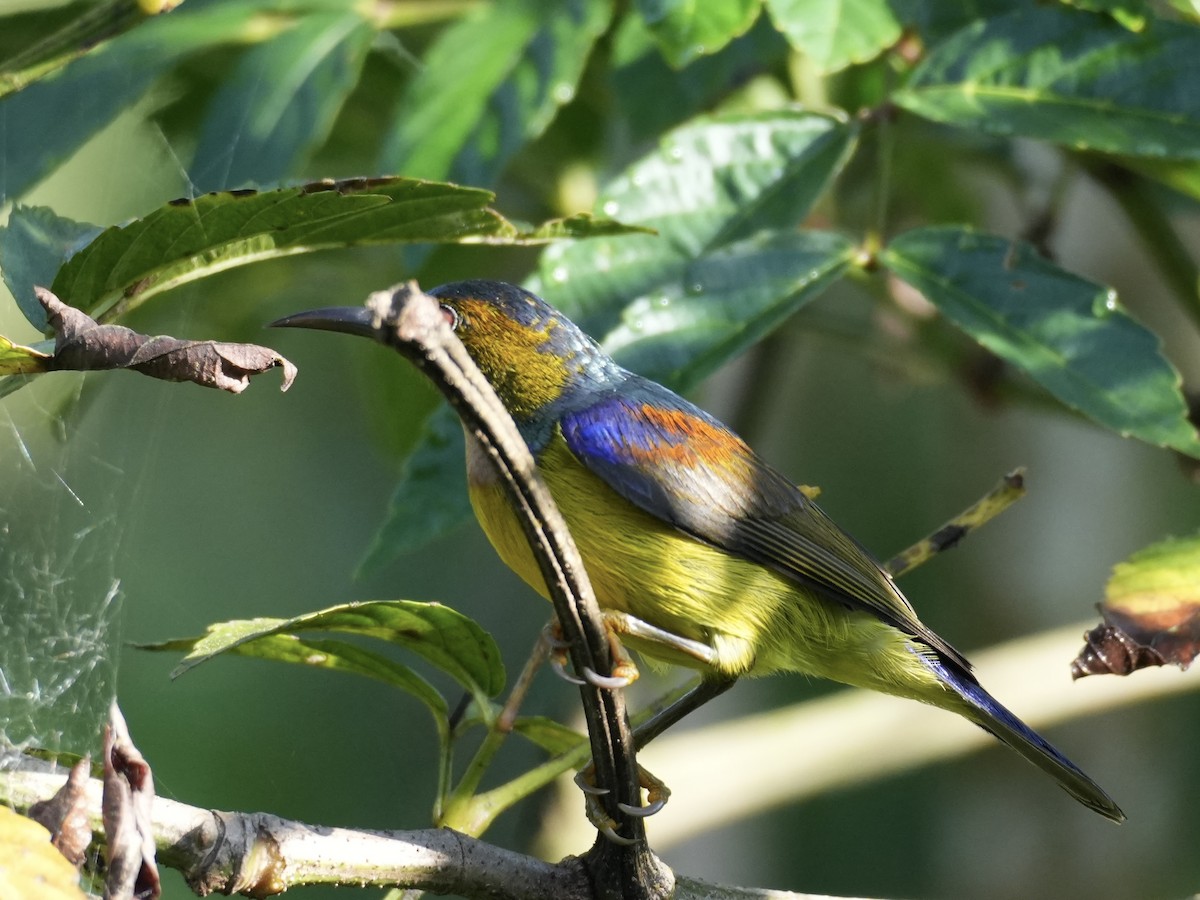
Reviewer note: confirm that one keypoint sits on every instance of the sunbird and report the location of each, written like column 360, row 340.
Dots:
column 699, row 552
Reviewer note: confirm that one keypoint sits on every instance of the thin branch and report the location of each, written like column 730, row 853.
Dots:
column 260, row 854
column 1010, row 489
column 414, row 326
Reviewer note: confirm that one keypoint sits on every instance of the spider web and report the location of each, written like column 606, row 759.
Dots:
column 59, row 594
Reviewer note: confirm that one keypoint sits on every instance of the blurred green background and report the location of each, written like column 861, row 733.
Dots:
column 206, row 507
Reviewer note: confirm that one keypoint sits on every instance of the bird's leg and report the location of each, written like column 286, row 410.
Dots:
column 624, row 671
column 623, row 623
column 709, row 688
column 657, row 794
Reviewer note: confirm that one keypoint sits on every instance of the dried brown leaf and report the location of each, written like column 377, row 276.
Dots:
column 65, row 814
column 82, row 344
column 1151, row 612
column 126, row 806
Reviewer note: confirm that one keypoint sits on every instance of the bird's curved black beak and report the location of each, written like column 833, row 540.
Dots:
column 356, row 320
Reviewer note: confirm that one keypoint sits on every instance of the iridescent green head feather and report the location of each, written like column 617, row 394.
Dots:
column 529, row 352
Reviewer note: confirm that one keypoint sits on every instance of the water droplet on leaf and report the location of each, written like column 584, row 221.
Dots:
column 1105, row 304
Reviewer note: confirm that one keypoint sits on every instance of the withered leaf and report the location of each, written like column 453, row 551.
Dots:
column 1151, row 612
column 127, row 800
column 65, row 814
column 82, row 344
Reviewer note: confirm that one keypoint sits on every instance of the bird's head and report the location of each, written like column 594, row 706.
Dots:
column 530, row 352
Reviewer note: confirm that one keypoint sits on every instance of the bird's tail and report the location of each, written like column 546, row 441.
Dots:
column 988, row 713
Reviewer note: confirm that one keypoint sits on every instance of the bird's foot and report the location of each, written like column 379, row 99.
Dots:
column 657, row 794
column 624, row 671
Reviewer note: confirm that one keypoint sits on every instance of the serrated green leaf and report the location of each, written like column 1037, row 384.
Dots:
column 934, row 22
column 47, row 39
column 1067, row 333
column 187, row 240
column 342, row 657
column 836, row 35
column 725, row 266
column 280, row 102
column 680, row 95
column 33, row 246
column 580, row 225
column 16, row 359
column 724, row 302
column 445, row 638
column 326, row 654
column 50, row 119
column 1158, row 579
column 465, row 121
column 553, row 737
column 686, row 30
column 1074, row 78
column 1132, row 14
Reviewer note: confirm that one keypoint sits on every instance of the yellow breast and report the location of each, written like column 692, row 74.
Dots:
column 757, row 621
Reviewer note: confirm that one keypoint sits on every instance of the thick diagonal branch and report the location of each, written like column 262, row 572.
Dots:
column 413, row 324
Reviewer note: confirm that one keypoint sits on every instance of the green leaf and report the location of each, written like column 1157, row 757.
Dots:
column 33, row 247
column 342, row 657
column 1075, row 78
column 445, row 638
column 280, row 102
column 1158, row 579
column 1132, row 14
column 934, row 22
column 16, row 359
column 553, row 737
column 1179, row 175
column 35, row 43
column 680, row 95
column 1067, row 333
column 836, row 35
column 576, row 227
column 430, row 499
column 489, row 84
column 726, row 265
column 187, row 240
column 687, row 29
column 723, row 303
column 51, row 118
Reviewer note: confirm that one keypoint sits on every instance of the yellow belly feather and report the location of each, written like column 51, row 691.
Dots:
column 757, row 621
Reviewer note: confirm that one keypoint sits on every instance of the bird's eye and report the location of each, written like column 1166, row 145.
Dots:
column 451, row 316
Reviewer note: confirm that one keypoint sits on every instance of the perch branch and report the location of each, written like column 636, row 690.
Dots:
column 413, row 325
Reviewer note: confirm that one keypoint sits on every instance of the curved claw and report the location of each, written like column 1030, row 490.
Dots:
column 587, row 787
column 560, row 670
column 643, row 812
column 608, row 832
column 608, row 682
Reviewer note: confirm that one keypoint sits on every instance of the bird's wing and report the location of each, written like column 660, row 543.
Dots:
column 676, row 462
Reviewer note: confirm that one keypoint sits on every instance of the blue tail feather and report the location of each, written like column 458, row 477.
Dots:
column 989, row 714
